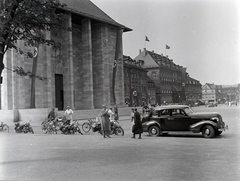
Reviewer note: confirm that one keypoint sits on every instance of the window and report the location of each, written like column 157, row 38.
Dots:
column 176, row 112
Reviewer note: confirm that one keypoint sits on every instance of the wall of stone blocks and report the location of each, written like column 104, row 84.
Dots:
column 85, row 59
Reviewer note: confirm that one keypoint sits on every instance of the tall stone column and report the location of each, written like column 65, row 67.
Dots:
column 48, row 85
column 68, row 80
column 119, row 83
column 87, row 64
column 7, row 86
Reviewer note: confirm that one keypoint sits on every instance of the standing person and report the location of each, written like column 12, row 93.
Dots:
column 51, row 115
column 105, row 121
column 69, row 113
column 111, row 114
column 112, row 118
column 132, row 116
column 137, row 127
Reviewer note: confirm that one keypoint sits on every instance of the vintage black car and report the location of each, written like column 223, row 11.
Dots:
column 165, row 119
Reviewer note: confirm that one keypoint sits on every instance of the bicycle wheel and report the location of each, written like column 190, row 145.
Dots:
column 86, row 127
column 5, row 128
column 119, row 131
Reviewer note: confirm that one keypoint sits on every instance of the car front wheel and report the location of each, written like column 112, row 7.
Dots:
column 154, row 131
column 208, row 131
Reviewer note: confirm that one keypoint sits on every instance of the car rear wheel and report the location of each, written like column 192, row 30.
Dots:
column 208, row 131
column 154, row 131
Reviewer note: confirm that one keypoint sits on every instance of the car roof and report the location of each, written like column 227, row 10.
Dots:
column 170, row 107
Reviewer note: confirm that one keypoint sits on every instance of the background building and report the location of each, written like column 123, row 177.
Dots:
column 220, row 93
column 135, row 82
column 209, row 92
column 168, row 76
column 193, row 90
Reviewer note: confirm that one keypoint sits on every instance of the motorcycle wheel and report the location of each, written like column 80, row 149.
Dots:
column 31, row 130
column 119, row 132
column 25, row 130
column 86, row 127
column 44, row 127
column 5, row 128
column 57, row 126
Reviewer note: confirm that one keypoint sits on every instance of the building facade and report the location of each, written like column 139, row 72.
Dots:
column 79, row 73
column 209, row 92
column 167, row 76
column 220, row 93
column 136, row 83
column 193, row 90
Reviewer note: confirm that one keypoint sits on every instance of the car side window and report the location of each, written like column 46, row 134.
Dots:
column 177, row 112
column 164, row 112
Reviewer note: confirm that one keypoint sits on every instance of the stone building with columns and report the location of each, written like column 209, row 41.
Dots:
column 79, row 73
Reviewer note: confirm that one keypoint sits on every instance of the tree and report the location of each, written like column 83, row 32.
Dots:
column 27, row 20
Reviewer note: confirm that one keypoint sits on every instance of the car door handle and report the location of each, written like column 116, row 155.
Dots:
column 170, row 119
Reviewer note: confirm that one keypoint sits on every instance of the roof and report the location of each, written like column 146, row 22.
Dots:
column 211, row 86
column 88, row 9
column 163, row 60
column 129, row 62
column 154, row 60
column 170, row 107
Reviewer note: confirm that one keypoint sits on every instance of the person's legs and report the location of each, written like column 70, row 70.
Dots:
column 133, row 135
column 104, row 134
column 139, row 137
column 108, row 134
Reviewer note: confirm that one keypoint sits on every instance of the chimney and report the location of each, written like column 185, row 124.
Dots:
column 153, row 51
column 140, row 51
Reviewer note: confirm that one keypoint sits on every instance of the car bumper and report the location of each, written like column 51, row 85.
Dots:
column 224, row 128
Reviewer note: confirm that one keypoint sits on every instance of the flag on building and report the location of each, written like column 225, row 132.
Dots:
column 167, row 47
column 146, row 38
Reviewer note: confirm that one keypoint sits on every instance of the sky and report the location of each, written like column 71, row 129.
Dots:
column 203, row 35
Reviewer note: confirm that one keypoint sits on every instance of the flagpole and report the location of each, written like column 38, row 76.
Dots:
column 165, row 50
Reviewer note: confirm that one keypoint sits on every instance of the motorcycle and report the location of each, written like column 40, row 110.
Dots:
column 68, row 128
column 24, row 128
column 4, row 128
column 116, row 128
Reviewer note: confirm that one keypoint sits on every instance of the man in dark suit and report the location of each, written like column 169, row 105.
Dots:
column 137, row 127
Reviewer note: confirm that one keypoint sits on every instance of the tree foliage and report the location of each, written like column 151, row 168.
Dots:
column 26, row 20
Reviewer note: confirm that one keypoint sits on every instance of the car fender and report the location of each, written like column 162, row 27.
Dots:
column 197, row 126
column 151, row 123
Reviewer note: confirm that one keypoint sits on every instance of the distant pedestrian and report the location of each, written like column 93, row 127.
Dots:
column 137, row 127
column 132, row 116
column 51, row 115
column 105, row 121
column 69, row 114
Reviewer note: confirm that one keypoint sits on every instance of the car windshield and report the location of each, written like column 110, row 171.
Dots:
column 188, row 110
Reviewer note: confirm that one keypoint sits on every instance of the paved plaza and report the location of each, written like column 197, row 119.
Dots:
column 184, row 156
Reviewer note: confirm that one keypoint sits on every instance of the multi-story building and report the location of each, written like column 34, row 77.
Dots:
column 193, row 90
column 220, row 93
column 79, row 73
column 231, row 92
column 168, row 76
column 135, row 83
column 209, row 92
column 151, row 91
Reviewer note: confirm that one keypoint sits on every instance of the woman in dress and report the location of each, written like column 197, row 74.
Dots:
column 105, row 121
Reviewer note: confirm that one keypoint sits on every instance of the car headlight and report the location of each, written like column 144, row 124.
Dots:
column 215, row 118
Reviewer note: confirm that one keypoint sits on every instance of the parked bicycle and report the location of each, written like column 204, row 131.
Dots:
column 87, row 126
column 4, row 128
